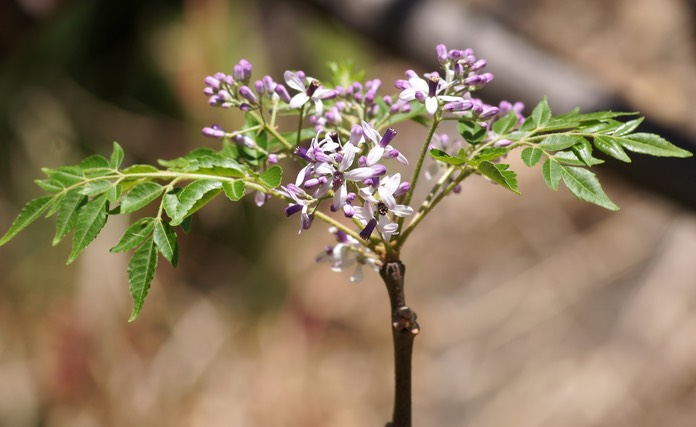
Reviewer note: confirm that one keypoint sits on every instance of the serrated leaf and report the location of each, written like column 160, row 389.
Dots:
column 182, row 162
column 49, row 185
column 585, row 186
column 654, row 145
column 566, row 121
column 31, row 211
column 96, row 187
column 67, row 214
column 234, row 190
column 628, row 127
column 442, row 156
column 572, row 158
column 272, row 177
column 541, row 113
column 557, row 142
column 95, row 161
column 140, row 196
column 136, row 169
column 193, row 197
column 471, row 131
column 610, row 147
column 490, row 153
column 116, row 156
column 505, row 124
column 499, row 173
column 170, row 201
column 583, row 151
column 90, row 220
column 114, row 193
column 551, row 171
column 135, row 235
column 603, row 115
column 531, row 155
column 165, row 240
column 141, row 271
column 66, row 175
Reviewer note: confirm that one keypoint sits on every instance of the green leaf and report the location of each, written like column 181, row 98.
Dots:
column 585, row 186
column 140, row 196
column 95, row 161
column 490, row 153
column 96, row 187
column 572, row 158
column 90, row 220
column 135, row 235
column 170, row 201
column 114, row 193
column 186, row 224
column 234, row 190
column 471, row 131
column 49, row 185
column 141, row 271
column 541, row 113
column 583, row 151
column 442, row 156
column 165, row 240
column 531, row 155
column 566, row 121
column 551, row 170
column 193, row 197
column 602, row 115
column 31, row 211
column 611, row 147
column 272, row 177
column 559, row 141
column 654, row 145
column 67, row 214
column 499, row 173
column 116, row 156
column 628, row 127
column 137, row 169
column 66, row 175
column 505, row 124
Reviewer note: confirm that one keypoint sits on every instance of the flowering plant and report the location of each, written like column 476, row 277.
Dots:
column 344, row 148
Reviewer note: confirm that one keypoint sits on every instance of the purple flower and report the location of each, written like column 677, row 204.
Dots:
column 427, row 92
column 312, row 91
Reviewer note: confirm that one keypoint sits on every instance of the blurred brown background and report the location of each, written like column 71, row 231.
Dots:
column 536, row 311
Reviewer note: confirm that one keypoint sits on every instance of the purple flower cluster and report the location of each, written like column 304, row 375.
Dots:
column 350, row 173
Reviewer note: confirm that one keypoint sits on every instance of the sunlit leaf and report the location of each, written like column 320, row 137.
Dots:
column 551, row 171
column 610, row 147
column 442, row 156
column 585, row 186
column 31, row 211
column 90, row 220
column 499, row 173
column 193, row 197
column 116, row 156
column 649, row 143
column 531, row 155
column 140, row 196
column 234, row 190
column 556, row 142
column 135, row 235
column 141, row 271
column 541, row 113
column 272, row 177
column 67, row 214
column 165, row 240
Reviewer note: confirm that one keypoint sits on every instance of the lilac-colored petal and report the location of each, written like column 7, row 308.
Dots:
column 374, row 155
column 299, row 100
column 292, row 80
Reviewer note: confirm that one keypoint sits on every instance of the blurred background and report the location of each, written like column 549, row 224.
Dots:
column 535, row 311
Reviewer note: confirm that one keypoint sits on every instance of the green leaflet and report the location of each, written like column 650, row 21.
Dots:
column 31, row 211
column 135, row 235
column 500, row 174
column 193, row 197
column 95, row 161
column 89, row 222
column 272, row 177
column 541, row 113
column 551, row 170
column 165, row 240
column 141, row 271
column 556, row 142
column 96, row 187
column 49, row 185
column 442, row 156
column 117, row 156
column 506, row 124
column 65, row 175
column 649, row 143
column 585, row 186
column 140, row 196
column 490, row 153
column 471, row 131
column 67, row 214
column 234, row 190
column 531, row 155
column 136, row 169
column 609, row 146
column 583, row 151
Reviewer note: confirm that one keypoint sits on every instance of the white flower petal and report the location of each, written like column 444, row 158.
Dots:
column 359, row 174
column 401, row 210
column 371, row 133
column 299, row 100
column 431, row 104
column 293, row 81
column 374, row 155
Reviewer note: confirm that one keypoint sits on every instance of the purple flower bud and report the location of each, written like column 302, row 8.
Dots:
column 388, row 100
column 228, row 79
column 246, row 69
column 214, row 131
column 269, row 84
column 208, row 91
column 306, row 221
column 458, row 106
column 247, row 94
column 259, row 87
column 213, row 100
column 374, row 109
column 245, row 107
column 358, row 97
column 212, row 82
column 420, row 96
column 348, row 211
column 441, row 50
column 481, row 63
column 488, row 112
column 456, row 54
column 477, row 109
column 244, row 140
column 238, row 72
column 362, row 161
column 410, row 74
column 282, row 93
column 402, row 84
column 311, row 183
column 329, row 94
column 341, row 236
column 369, row 182
column 220, row 76
column 302, row 153
column 272, row 159
column 393, row 153
column 260, row 198
column 402, row 189
column 356, row 87
column 370, row 97
column 356, row 133
column 378, row 170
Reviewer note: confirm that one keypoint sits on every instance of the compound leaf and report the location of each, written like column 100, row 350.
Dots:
column 499, row 173
column 141, row 271
column 31, row 211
